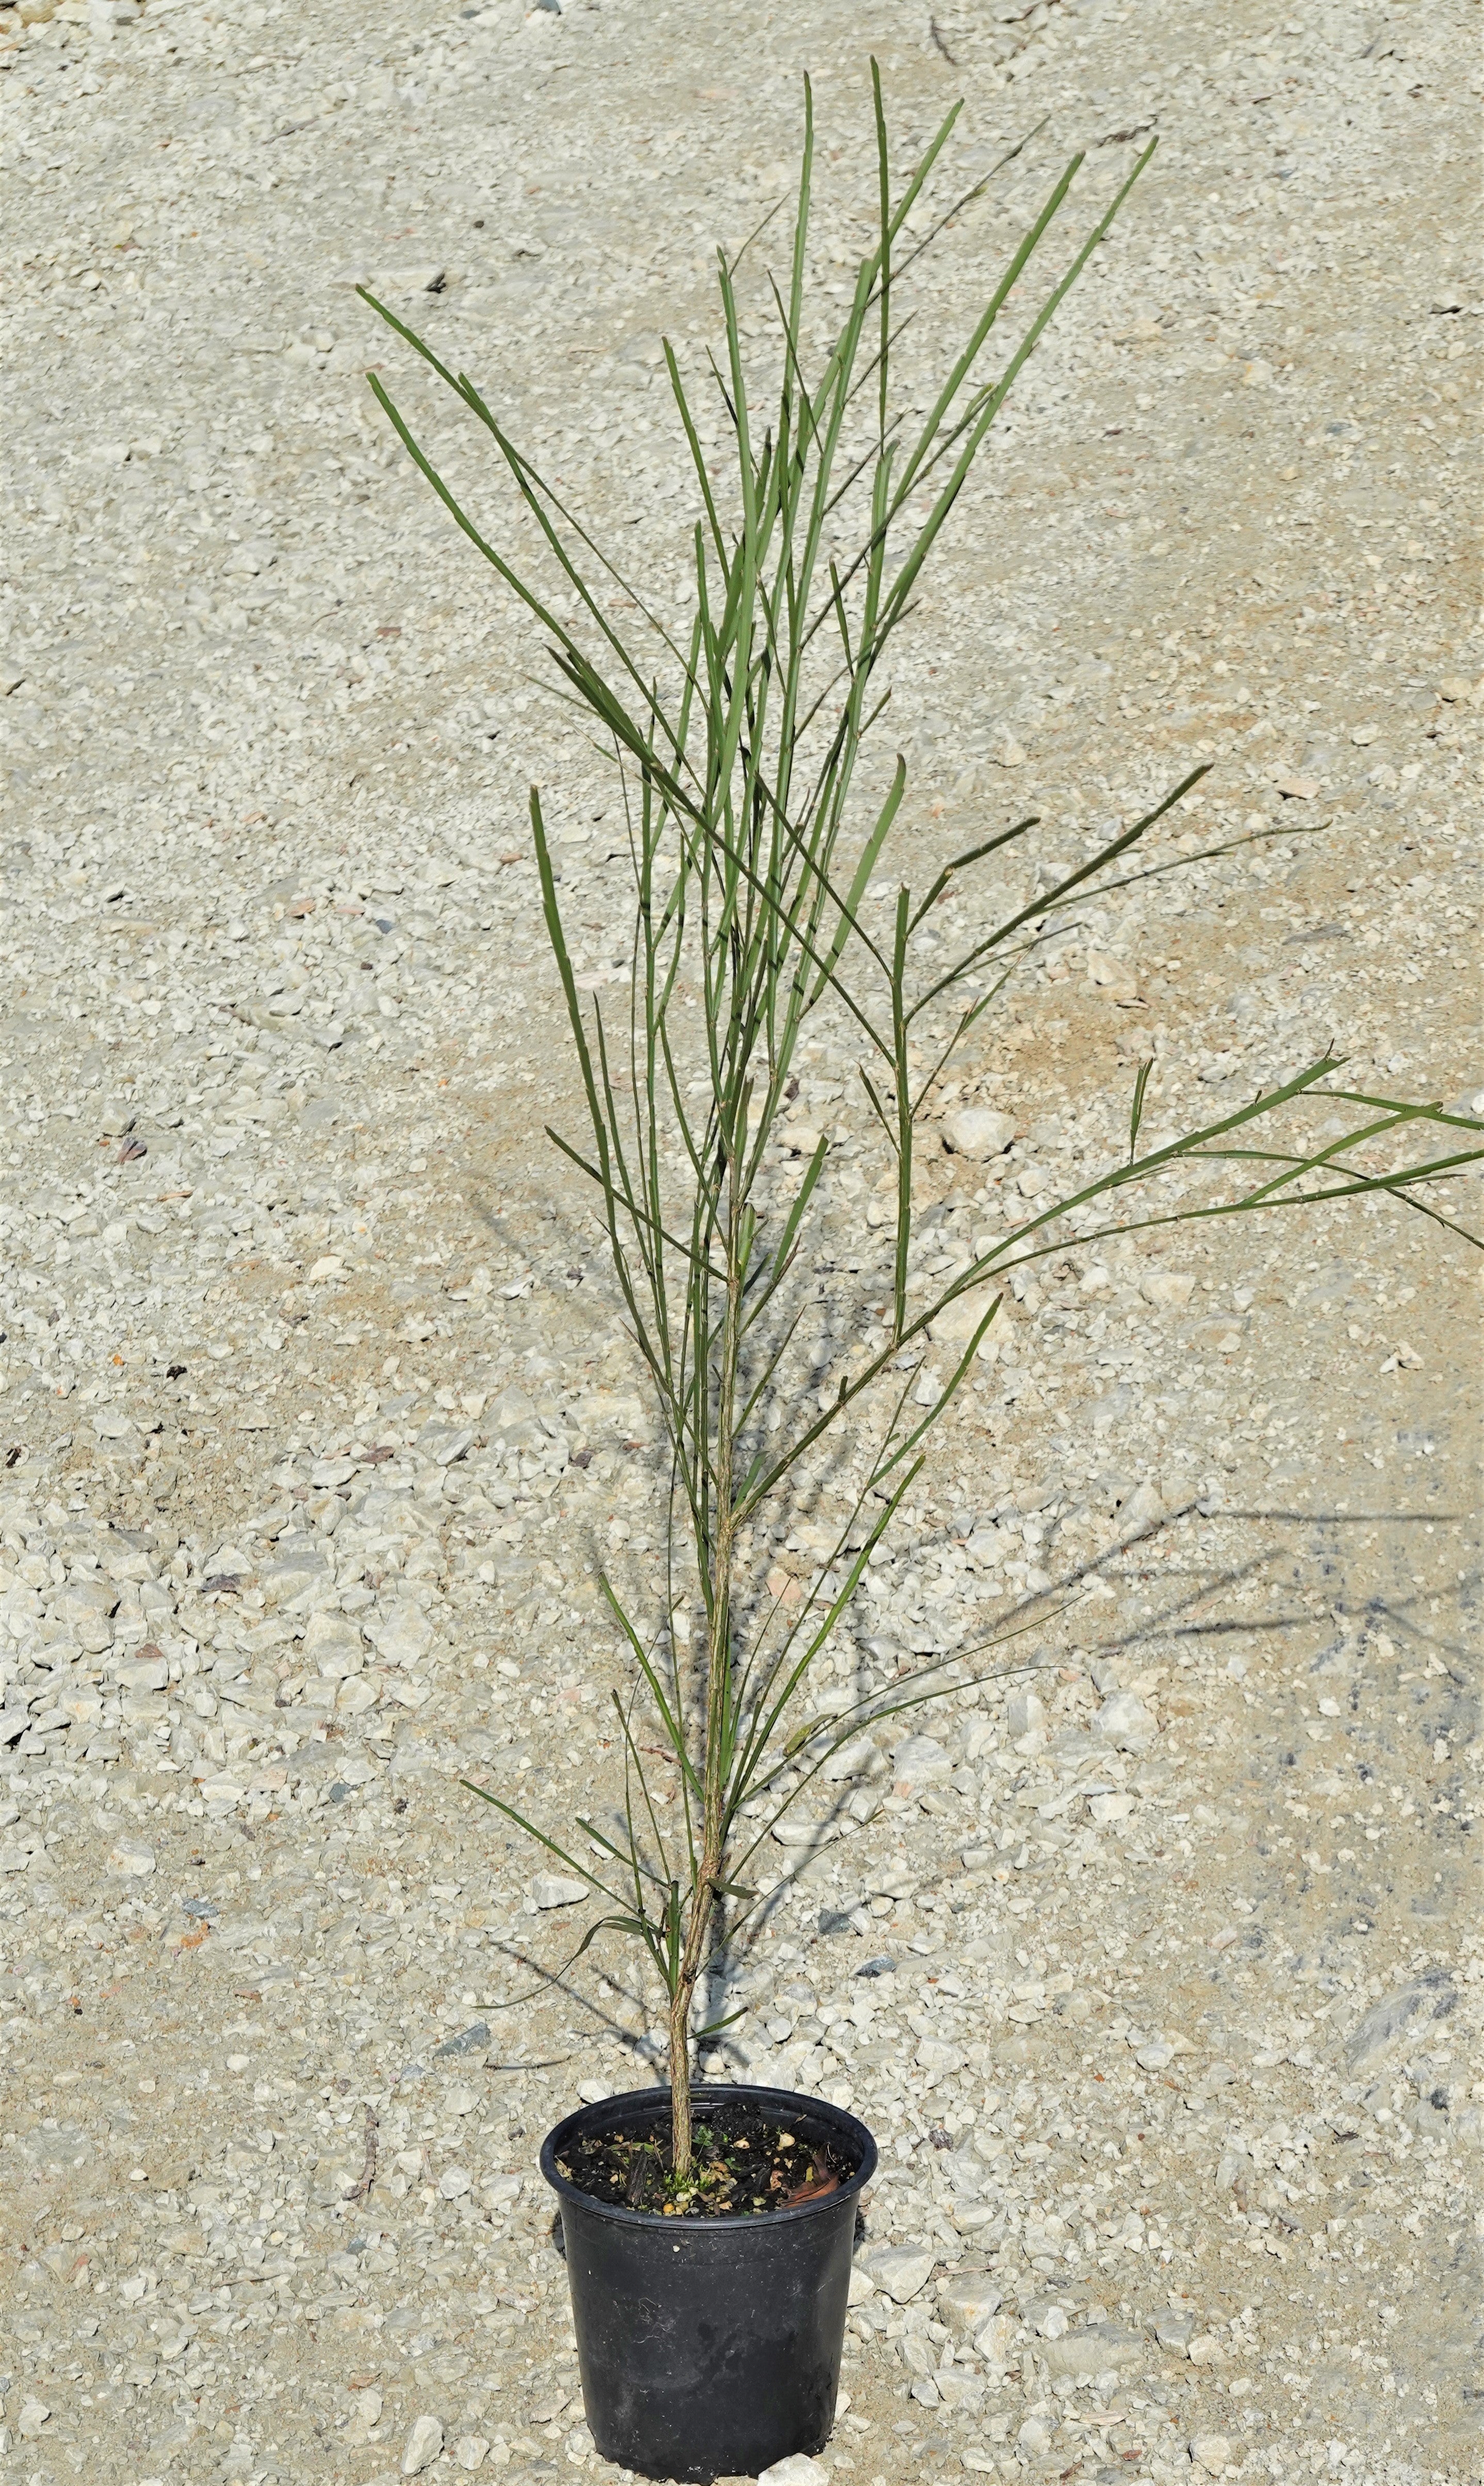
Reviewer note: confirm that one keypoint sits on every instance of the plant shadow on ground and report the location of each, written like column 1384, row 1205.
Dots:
column 1362, row 1622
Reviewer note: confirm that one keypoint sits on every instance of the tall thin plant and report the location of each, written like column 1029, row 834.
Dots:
column 758, row 870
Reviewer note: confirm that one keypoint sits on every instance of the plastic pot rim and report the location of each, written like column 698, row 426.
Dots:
column 764, row 2100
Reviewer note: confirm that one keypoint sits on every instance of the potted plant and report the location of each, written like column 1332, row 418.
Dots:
column 708, row 2230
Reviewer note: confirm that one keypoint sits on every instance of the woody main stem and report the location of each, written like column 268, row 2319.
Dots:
column 718, row 1559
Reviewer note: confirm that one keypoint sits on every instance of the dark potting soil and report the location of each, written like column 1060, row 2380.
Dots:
column 742, row 2166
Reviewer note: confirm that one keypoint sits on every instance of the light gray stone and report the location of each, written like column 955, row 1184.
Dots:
column 955, row 1325
column 966, row 2305
column 1124, row 1723
column 1164, row 1287
column 333, row 1645
column 798, row 2469
column 919, row 1761
column 400, row 1633
column 291, row 1575
column 513, row 1419
column 802, row 1830
column 1099, row 2348
column 977, row 1132
column 557, row 1890
column 901, row 2271
column 1407, row 2012
column 85, row 1608
column 1025, row 1714
column 143, row 1674
column 425, row 2443
column 861, row 1758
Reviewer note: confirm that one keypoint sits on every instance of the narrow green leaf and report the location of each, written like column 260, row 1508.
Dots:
column 884, row 186
column 552, row 1845
column 1136, row 1111
column 848, row 922
column 961, row 863
column 714, row 2027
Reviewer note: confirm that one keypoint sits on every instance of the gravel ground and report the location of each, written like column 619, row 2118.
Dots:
column 1159, row 1983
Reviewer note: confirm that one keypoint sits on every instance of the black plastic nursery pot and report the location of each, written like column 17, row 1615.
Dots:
column 710, row 2347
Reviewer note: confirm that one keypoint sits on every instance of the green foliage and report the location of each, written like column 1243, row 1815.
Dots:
column 756, row 848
